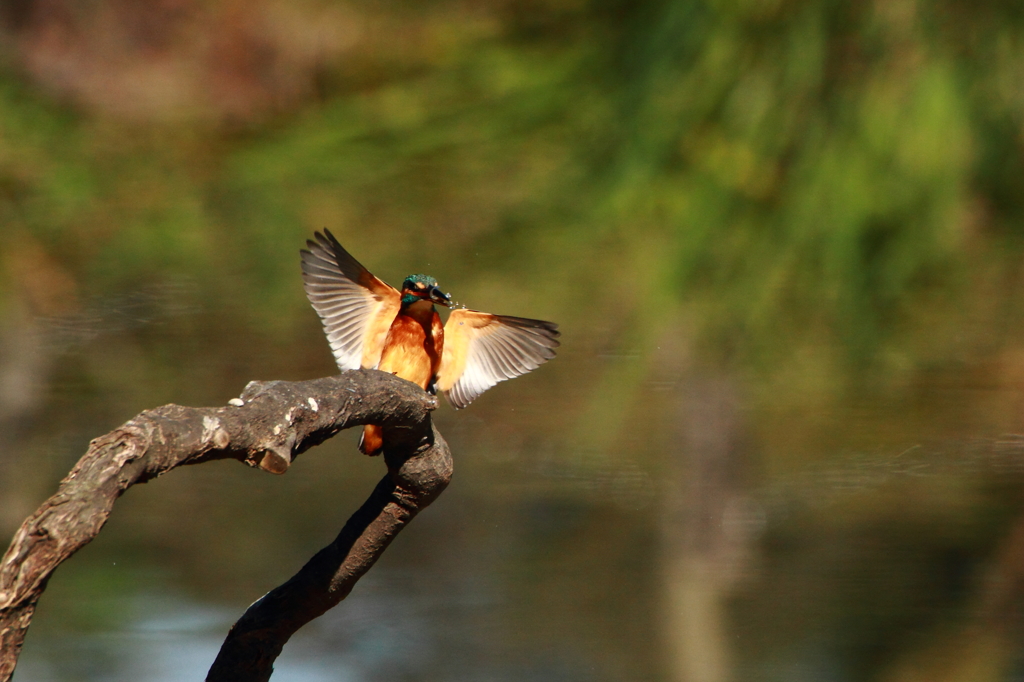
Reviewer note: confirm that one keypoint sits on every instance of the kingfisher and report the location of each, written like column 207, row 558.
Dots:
column 372, row 325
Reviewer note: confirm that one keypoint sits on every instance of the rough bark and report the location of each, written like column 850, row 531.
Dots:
column 274, row 422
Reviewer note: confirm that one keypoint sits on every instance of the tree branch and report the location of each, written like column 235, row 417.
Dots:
column 274, row 422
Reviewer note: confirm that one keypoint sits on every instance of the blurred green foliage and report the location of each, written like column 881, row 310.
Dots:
column 778, row 170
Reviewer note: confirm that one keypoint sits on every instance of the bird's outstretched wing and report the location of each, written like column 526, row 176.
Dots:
column 357, row 309
column 481, row 349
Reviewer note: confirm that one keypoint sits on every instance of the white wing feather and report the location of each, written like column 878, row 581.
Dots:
column 356, row 308
column 481, row 350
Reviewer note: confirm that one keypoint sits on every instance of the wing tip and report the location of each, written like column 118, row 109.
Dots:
column 530, row 323
column 326, row 243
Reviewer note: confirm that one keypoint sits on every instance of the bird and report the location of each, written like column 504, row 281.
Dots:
column 370, row 324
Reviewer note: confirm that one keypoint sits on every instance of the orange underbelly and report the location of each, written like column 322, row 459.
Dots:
column 409, row 352
column 412, row 350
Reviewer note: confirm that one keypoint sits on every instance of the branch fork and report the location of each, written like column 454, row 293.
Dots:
column 267, row 427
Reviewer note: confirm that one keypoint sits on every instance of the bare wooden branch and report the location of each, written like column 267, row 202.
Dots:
column 272, row 423
column 417, row 473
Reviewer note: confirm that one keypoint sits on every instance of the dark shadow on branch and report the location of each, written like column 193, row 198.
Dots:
column 274, row 422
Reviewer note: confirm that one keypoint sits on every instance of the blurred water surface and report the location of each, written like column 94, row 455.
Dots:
column 782, row 439
column 733, row 533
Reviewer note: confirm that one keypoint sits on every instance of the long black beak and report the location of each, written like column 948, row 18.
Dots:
column 439, row 297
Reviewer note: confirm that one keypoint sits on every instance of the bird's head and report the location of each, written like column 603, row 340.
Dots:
column 423, row 288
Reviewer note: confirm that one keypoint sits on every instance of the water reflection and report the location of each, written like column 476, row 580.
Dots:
column 151, row 305
column 739, row 543
column 163, row 637
column 882, row 565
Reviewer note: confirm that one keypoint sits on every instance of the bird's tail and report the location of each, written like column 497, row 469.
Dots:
column 372, row 440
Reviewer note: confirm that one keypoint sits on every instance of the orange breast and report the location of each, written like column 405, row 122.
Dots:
column 413, row 346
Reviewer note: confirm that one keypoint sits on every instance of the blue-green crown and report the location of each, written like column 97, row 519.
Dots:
column 412, row 280
column 410, row 284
